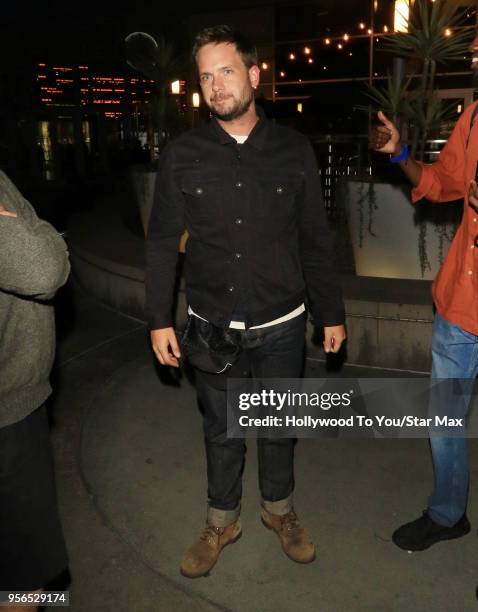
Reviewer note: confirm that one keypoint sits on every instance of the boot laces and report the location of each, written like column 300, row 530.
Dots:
column 290, row 522
column 210, row 534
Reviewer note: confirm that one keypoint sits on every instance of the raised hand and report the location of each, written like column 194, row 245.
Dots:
column 385, row 137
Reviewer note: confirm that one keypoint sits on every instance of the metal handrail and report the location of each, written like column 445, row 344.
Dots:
column 335, row 162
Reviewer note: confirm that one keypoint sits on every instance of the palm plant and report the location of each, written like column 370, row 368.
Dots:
column 158, row 62
column 427, row 45
column 391, row 99
column 412, row 100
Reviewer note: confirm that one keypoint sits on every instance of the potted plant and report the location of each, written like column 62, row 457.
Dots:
column 390, row 237
column 158, row 62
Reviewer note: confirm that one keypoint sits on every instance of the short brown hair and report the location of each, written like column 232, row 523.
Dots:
column 225, row 34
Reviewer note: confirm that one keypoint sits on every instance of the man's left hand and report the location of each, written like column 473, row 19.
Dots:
column 6, row 213
column 333, row 338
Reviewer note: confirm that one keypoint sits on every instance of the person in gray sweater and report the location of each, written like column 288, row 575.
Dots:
column 33, row 266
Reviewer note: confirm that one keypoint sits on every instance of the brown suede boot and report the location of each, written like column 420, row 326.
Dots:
column 203, row 554
column 296, row 542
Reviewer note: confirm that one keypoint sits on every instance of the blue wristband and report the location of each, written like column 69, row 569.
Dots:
column 401, row 156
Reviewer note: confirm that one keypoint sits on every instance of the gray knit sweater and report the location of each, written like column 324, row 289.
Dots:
column 33, row 265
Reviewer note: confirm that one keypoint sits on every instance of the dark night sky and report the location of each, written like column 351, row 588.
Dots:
column 88, row 30
column 94, row 31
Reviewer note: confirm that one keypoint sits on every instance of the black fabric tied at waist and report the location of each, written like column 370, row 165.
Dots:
column 208, row 347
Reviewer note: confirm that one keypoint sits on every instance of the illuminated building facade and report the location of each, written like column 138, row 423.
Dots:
column 98, row 90
column 81, row 107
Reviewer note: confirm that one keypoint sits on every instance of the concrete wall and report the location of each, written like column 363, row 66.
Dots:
column 380, row 333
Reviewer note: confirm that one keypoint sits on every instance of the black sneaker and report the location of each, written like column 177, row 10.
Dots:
column 423, row 532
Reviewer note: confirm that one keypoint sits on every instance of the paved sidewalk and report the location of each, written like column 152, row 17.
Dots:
column 131, row 478
column 107, row 573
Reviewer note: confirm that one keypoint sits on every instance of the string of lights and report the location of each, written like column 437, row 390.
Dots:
column 305, row 59
column 338, row 41
column 364, row 31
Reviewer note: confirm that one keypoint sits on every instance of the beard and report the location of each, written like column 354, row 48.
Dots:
column 239, row 107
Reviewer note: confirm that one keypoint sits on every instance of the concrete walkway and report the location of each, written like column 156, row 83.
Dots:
column 108, row 574
column 131, row 478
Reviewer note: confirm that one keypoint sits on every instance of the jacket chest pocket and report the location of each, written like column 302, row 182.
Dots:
column 203, row 199
column 275, row 204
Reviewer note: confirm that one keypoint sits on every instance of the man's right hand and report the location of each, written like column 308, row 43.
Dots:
column 165, row 346
column 6, row 213
column 385, row 138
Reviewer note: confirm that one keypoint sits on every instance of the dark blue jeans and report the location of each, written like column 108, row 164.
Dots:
column 270, row 352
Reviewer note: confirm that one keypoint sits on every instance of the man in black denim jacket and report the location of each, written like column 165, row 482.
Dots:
column 248, row 192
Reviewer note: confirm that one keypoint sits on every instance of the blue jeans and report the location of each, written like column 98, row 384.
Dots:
column 454, row 356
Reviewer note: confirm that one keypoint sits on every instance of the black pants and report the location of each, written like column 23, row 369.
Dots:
column 270, row 352
column 32, row 548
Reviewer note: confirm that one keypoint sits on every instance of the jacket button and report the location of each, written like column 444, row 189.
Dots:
column 238, row 255
column 238, row 221
column 238, row 185
column 231, row 288
column 199, row 190
column 280, row 189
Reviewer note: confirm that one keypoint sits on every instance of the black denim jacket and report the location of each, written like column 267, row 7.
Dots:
column 257, row 228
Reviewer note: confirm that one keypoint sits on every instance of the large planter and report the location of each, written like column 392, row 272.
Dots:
column 387, row 235
column 143, row 180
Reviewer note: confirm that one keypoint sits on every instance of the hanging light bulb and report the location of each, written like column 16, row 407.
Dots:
column 282, row 73
column 307, row 50
column 346, row 36
column 340, row 46
column 369, row 31
column 264, row 65
column 327, row 41
column 362, row 26
column 385, row 28
column 448, row 32
column 310, row 60
column 291, row 56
